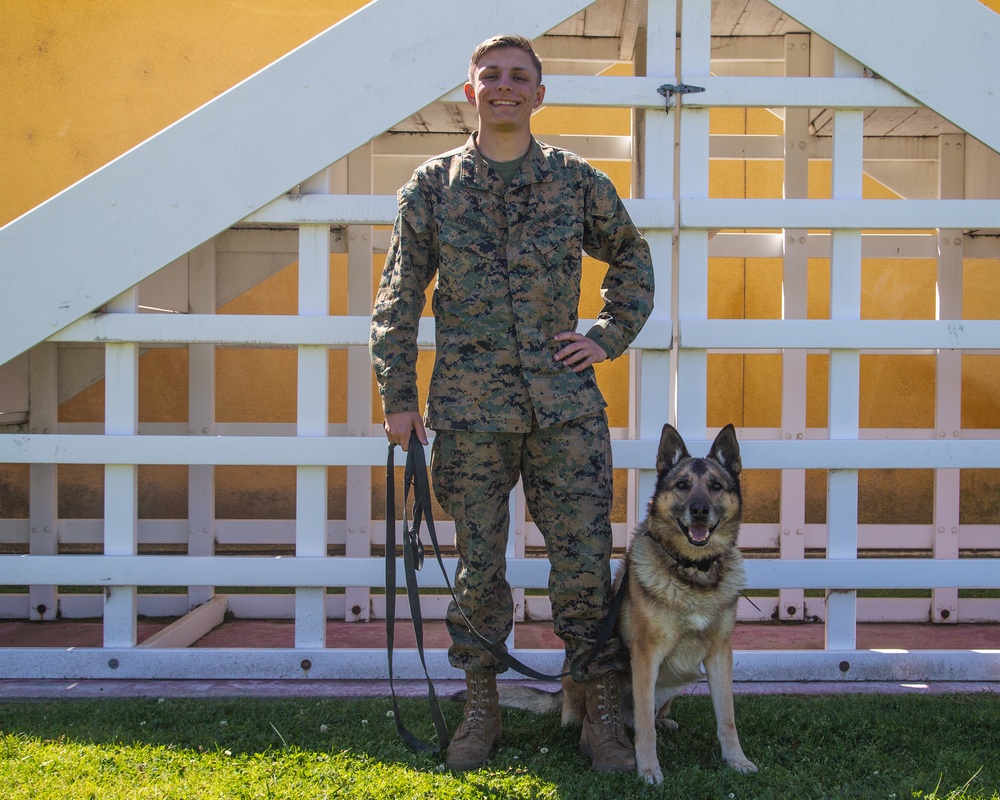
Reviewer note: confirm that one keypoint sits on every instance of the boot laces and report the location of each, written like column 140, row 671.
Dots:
column 478, row 702
column 609, row 707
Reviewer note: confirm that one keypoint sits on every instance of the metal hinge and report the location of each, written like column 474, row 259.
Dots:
column 668, row 90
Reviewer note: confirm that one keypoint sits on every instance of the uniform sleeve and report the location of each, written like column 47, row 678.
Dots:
column 409, row 268
column 627, row 291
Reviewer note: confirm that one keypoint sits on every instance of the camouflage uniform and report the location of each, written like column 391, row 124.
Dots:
column 508, row 266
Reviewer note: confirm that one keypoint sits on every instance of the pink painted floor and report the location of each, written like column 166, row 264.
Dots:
column 528, row 635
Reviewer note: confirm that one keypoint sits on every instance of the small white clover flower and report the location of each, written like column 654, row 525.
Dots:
column 364, row 722
column 324, row 728
column 390, row 713
column 223, row 723
column 544, row 751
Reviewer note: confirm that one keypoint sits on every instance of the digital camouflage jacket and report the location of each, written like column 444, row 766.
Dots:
column 508, row 267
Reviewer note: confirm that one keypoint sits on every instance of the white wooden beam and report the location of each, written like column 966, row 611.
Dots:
column 762, row 573
column 981, row 453
column 726, row 92
column 191, row 627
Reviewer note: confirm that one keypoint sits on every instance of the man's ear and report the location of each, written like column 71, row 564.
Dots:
column 539, row 95
column 470, row 94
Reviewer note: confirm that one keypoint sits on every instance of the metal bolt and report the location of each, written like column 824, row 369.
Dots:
column 356, row 610
column 945, row 613
column 791, row 611
column 845, row 665
column 113, row 663
column 306, row 664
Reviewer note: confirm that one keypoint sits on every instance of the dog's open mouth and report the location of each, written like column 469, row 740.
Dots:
column 698, row 533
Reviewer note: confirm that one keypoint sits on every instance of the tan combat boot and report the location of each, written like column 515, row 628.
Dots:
column 603, row 738
column 478, row 733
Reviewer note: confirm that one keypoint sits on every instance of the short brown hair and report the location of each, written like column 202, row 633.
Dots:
column 504, row 40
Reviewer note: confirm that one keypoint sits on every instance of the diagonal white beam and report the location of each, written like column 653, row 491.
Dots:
column 944, row 53
column 210, row 169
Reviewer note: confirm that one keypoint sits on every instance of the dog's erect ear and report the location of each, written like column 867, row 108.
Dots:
column 726, row 450
column 672, row 449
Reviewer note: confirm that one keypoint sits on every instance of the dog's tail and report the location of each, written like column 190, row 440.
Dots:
column 528, row 698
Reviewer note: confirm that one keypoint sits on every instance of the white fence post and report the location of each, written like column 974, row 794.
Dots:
column 692, row 266
column 359, row 384
column 312, row 420
column 948, row 378
column 795, row 286
column 121, row 513
column 43, row 508
column 201, row 415
column 845, row 379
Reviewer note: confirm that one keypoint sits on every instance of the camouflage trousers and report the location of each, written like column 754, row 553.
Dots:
column 567, row 477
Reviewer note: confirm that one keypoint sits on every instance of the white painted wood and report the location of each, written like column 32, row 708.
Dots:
column 720, row 92
column 838, row 214
column 254, row 330
column 311, row 421
column 978, row 453
column 924, row 35
column 845, row 667
column 654, row 175
column 42, row 480
column 121, row 501
column 948, row 374
column 191, row 627
column 810, row 573
column 845, row 376
column 817, row 334
column 795, row 286
column 360, row 280
column 774, row 245
column 692, row 264
column 201, row 264
column 192, row 178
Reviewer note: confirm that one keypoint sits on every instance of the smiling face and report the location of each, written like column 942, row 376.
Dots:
column 505, row 88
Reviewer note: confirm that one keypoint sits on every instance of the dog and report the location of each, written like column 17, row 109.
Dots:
column 685, row 575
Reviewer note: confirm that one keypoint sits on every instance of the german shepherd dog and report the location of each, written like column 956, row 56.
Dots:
column 685, row 574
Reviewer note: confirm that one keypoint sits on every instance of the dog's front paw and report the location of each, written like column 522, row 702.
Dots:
column 650, row 773
column 667, row 724
column 742, row 764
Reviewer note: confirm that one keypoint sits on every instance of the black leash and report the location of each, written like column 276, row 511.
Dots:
column 412, row 560
column 415, row 474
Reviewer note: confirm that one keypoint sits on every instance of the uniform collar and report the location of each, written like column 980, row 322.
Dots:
column 477, row 173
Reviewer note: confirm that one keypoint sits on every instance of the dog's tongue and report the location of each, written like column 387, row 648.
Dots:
column 698, row 532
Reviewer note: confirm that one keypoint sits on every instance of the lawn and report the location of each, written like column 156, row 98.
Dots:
column 845, row 746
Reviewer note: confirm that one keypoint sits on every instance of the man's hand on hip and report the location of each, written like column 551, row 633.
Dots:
column 580, row 353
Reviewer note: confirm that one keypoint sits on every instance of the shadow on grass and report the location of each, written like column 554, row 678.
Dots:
column 808, row 747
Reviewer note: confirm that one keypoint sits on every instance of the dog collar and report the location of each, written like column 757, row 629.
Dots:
column 702, row 566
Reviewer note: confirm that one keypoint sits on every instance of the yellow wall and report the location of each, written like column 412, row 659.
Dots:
column 81, row 82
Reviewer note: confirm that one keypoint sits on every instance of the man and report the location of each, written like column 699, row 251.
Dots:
column 502, row 223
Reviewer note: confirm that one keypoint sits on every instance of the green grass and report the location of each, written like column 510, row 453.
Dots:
column 847, row 746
